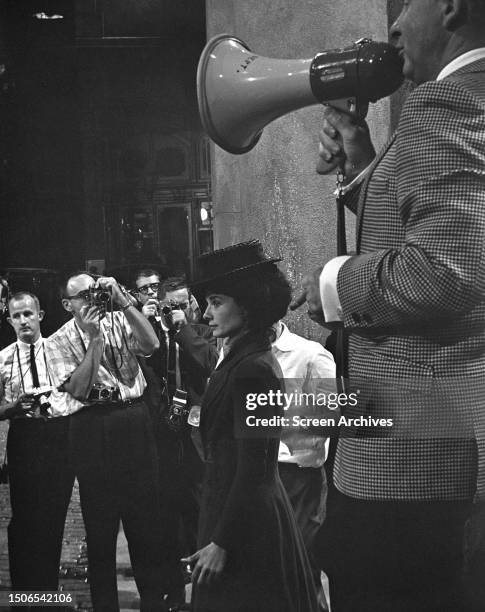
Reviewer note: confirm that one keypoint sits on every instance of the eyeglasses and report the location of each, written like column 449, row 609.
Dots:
column 175, row 305
column 82, row 295
column 145, row 288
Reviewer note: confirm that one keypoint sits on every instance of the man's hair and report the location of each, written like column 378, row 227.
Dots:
column 20, row 295
column 146, row 272
column 65, row 281
column 172, row 283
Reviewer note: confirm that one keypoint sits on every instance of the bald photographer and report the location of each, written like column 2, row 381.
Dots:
column 94, row 357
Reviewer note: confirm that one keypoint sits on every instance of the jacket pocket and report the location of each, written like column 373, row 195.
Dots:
column 393, row 370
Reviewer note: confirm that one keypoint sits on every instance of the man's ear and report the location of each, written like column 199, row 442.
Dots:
column 454, row 13
column 41, row 314
column 10, row 321
column 66, row 304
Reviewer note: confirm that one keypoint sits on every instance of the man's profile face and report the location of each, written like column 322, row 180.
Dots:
column 25, row 318
column 147, row 288
column 76, row 292
column 421, row 38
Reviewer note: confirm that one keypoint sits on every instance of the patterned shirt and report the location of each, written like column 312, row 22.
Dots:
column 16, row 376
column 119, row 367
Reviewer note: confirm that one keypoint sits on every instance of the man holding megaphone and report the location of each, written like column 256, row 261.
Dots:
column 413, row 302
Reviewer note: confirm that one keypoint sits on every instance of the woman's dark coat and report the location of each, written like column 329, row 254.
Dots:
column 244, row 507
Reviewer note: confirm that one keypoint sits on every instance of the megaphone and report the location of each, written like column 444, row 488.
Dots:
column 240, row 92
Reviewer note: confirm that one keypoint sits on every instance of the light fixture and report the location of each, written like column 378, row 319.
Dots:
column 45, row 16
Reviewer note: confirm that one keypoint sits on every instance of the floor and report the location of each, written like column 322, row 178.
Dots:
column 127, row 591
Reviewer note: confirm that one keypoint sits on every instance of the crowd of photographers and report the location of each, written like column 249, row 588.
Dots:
column 105, row 399
column 113, row 398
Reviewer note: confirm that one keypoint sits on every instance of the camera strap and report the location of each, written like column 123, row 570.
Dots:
column 171, row 363
column 116, row 379
column 342, row 340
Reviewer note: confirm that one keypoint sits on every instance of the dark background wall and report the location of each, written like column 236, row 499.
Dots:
column 86, row 102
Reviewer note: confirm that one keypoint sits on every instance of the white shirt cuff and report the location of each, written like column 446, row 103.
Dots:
column 355, row 182
column 332, row 308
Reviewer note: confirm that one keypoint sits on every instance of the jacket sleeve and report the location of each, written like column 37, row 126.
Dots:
column 252, row 453
column 438, row 270
column 200, row 349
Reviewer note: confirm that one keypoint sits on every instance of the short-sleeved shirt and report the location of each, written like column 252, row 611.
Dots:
column 16, row 375
column 119, row 368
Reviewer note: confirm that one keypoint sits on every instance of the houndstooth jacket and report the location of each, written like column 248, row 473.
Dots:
column 413, row 299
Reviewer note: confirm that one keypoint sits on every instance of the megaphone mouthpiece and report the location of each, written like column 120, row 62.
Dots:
column 367, row 71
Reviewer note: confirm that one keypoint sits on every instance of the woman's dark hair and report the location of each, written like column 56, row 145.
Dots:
column 264, row 292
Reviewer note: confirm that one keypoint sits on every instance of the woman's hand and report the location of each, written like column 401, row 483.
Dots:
column 209, row 563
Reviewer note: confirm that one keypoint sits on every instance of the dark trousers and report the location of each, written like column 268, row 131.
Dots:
column 390, row 555
column 41, row 482
column 115, row 459
column 181, row 472
column 307, row 491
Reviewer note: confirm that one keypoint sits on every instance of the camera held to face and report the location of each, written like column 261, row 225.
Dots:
column 167, row 308
column 99, row 297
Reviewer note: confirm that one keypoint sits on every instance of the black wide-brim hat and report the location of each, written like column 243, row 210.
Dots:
column 231, row 262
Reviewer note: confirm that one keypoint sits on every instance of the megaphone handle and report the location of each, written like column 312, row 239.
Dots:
column 347, row 105
column 352, row 106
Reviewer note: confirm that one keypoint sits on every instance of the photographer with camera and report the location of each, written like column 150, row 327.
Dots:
column 112, row 444
column 5, row 337
column 177, row 375
column 3, row 297
column 39, row 474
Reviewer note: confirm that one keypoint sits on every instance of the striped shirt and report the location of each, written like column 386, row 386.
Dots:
column 119, row 367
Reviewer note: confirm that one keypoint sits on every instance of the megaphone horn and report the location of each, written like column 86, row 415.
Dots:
column 240, row 92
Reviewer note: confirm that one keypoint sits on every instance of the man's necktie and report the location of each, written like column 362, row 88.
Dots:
column 171, row 363
column 33, row 367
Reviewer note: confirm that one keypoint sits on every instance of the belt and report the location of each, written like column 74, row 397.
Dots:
column 116, row 404
column 31, row 417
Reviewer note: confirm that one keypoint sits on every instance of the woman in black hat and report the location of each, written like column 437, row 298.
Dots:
column 251, row 556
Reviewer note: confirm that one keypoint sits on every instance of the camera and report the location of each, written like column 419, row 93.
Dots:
column 41, row 404
column 168, row 308
column 178, row 411
column 99, row 297
column 101, row 394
